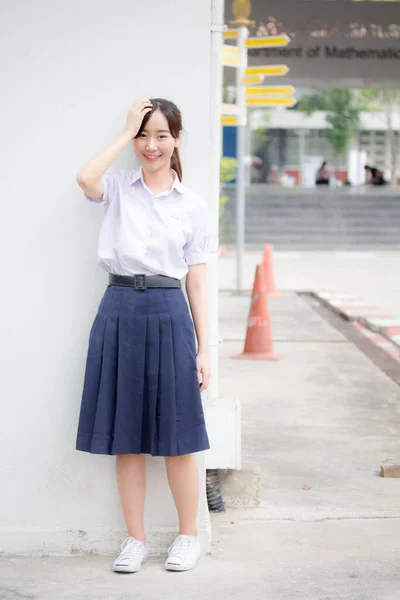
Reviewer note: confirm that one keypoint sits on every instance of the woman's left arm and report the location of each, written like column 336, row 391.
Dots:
column 196, row 288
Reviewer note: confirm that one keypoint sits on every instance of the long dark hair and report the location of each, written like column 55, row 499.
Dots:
column 174, row 118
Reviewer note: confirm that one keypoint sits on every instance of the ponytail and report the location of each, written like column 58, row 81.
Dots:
column 176, row 163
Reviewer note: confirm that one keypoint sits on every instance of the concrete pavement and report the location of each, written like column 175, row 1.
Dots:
column 373, row 276
column 324, row 416
column 318, row 423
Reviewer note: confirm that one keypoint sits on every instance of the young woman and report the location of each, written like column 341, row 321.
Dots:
column 144, row 375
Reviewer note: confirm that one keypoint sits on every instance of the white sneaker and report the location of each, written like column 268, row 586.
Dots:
column 183, row 553
column 133, row 554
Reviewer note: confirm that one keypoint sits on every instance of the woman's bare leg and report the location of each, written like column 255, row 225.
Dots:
column 131, row 479
column 183, row 480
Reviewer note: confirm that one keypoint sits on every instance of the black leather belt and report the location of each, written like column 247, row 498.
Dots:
column 142, row 282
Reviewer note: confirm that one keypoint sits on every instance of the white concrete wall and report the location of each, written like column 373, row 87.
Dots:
column 70, row 72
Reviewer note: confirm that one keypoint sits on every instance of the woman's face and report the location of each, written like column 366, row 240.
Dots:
column 155, row 145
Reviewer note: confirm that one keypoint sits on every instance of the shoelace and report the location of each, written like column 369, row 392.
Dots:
column 130, row 548
column 180, row 547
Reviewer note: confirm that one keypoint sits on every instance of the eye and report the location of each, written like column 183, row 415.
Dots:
column 163, row 137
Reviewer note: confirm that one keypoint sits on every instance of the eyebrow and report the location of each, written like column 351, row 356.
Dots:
column 159, row 130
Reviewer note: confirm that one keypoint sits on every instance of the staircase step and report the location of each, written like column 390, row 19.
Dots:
column 305, row 220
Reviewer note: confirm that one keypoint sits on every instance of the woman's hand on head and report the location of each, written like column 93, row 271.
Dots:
column 135, row 116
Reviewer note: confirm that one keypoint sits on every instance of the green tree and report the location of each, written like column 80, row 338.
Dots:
column 342, row 109
column 227, row 172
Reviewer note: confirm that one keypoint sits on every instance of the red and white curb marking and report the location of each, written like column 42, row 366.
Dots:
column 390, row 328
column 349, row 306
column 370, row 317
column 379, row 340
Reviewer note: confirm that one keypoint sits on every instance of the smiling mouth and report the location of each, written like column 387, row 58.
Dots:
column 152, row 157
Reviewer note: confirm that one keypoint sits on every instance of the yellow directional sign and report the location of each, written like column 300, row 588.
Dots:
column 229, row 109
column 230, row 56
column 268, row 42
column 267, row 90
column 228, row 61
column 252, row 79
column 228, row 120
column 270, row 70
column 230, row 34
column 230, row 50
column 271, row 101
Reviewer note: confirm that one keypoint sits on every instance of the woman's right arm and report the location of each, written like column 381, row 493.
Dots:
column 89, row 176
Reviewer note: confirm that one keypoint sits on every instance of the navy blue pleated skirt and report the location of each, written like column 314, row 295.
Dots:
column 141, row 392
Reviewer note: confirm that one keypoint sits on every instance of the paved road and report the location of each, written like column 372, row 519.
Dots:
column 375, row 276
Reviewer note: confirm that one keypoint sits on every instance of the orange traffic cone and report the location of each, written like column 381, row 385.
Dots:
column 268, row 268
column 258, row 343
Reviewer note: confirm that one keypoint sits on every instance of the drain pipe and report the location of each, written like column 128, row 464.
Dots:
column 214, row 496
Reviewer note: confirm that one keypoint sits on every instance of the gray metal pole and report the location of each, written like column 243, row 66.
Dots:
column 240, row 207
column 240, row 154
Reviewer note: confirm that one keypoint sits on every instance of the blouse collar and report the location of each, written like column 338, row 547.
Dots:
column 177, row 185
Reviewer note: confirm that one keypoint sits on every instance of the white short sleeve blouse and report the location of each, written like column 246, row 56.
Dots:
column 142, row 234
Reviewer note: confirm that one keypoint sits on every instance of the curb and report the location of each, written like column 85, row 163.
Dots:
column 389, row 328
column 380, row 341
column 368, row 317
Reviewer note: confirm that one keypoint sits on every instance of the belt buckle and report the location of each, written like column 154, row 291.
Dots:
column 139, row 282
